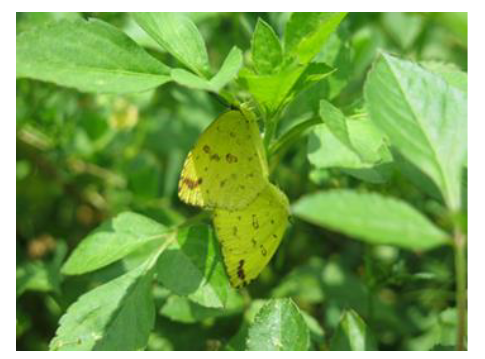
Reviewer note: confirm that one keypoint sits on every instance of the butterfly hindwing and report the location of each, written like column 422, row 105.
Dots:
column 250, row 237
column 227, row 168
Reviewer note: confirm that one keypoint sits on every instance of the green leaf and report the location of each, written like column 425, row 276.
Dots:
column 404, row 28
column 229, row 69
column 30, row 20
column 365, row 154
column 192, row 266
column 181, row 309
column 352, row 334
column 266, row 49
column 450, row 73
column 112, row 241
column 191, row 80
column 178, row 35
column 91, row 56
column 271, row 91
column 314, row 72
column 118, row 315
column 307, row 32
column 338, row 54
column 371, row 218
column 424, row 117
column 336, row 123
column 278, row 325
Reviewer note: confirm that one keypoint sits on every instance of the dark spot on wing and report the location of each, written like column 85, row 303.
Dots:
column 272, row 221
column 231, row 158
column 242, row 187
column 206, row 149
column 232, row 134
column 253, row 241
column 263, row 250
column 222, row 183
column 234, row 230
column 215, row 157
column 240, row 270
column 255, row 222
column 191, row 184
column 275, row 236
column 206, row 168
column 239, row 217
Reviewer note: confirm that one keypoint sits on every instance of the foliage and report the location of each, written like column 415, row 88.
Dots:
column 364, row 123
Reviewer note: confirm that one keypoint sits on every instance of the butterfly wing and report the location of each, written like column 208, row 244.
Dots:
column 250, row 237
column 227, row 168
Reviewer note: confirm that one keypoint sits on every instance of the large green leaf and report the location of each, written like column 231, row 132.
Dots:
column 306, row 33
column 112, row 241
column 177, row 34
column 278, row 325
column 192, row 266
column 266, row 49
column 118, row 315
column 89, row 55
column 372, row 218
column 424, row 117
column 352, row 334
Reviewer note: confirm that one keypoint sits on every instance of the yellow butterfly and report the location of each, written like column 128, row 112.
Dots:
column 227, row 168
column 250, row 236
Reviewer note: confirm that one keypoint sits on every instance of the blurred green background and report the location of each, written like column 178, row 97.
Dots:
column 82, row 158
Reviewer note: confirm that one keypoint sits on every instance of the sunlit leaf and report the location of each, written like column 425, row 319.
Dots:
column 112, row 241
column 91, row 56
column 178, row 35
column 278, row 325
column 372, row 218
column 425, row 119
column 99, row 319
column 192, row 266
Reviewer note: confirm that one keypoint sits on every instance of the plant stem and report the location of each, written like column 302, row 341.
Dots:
column 461, row 296
column 293, row 134
column 278, row 149
column 269, row 133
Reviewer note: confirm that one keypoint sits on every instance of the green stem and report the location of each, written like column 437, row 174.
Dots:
column 461, row 296
column 269, row 133
column 277, row 150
